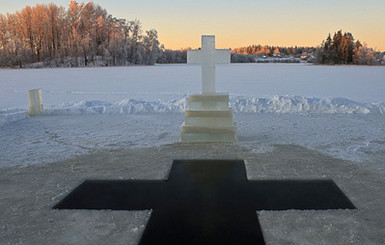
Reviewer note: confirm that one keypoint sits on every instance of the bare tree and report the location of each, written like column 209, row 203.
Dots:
column 365, row 56
column 81, row 35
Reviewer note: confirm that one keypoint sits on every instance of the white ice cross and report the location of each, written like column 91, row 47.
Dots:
column 208, row 57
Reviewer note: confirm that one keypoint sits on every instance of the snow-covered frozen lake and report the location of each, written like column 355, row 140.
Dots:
column 339, row 110
column 150, row 83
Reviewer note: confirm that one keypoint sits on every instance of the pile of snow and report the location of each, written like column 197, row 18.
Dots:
column 275, row 104
column 127, row 106
column 11, row 115
column 300, row 104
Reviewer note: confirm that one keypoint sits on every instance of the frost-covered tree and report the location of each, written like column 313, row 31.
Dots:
column 341, row 49
column 83, row 34
column 172, row 56
column 365, row 56
column 270, row 50
column 151, row 47
column 325, row 54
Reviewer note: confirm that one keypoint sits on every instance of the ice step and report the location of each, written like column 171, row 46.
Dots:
column 209, row 98
column 212, row 130
column 208, row 106
column 208, row 137
column 209, row 121
column 209, row 114
column 209, row 118
column 209, row 102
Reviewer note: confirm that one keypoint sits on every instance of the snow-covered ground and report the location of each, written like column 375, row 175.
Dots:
column 150, row 83
column 338, row 110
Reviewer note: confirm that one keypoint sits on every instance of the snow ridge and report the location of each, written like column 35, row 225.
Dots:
column 299, row 104
column 12, row 115
column 127, row 106
column 274, row 104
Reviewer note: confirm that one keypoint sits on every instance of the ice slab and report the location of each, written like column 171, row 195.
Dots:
column 209, row 120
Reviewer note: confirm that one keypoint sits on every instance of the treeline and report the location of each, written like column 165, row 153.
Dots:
column 180, row 56
column 81, row 35
column 273, row 50
column 173, row 56
column 84, row 34
column 342, row 49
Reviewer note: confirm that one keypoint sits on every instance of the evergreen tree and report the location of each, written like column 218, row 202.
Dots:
column 336, row 47
column 347, row 47
column 341, row 49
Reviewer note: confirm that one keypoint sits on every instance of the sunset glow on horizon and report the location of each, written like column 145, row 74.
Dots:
column 241, row 23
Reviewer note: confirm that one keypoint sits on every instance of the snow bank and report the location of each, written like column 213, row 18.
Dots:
column 12, row 115
column 127, row 106
column 275, row 104
column 299, row 104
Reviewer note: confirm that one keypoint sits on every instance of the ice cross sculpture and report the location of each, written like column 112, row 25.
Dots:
column 208, row 57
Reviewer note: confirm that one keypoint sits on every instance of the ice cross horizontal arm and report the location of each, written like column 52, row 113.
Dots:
column 208, row 57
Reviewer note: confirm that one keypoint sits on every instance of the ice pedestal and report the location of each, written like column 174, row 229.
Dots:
column 35, row 102
column 208, row 119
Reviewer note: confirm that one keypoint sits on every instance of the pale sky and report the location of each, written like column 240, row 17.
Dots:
column 237, row 23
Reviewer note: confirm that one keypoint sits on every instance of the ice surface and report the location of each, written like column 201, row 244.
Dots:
column 150, row 83
column 338, row 110
column 46, row 139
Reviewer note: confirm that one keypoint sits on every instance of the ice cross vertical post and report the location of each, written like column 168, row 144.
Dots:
column 208, row 57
